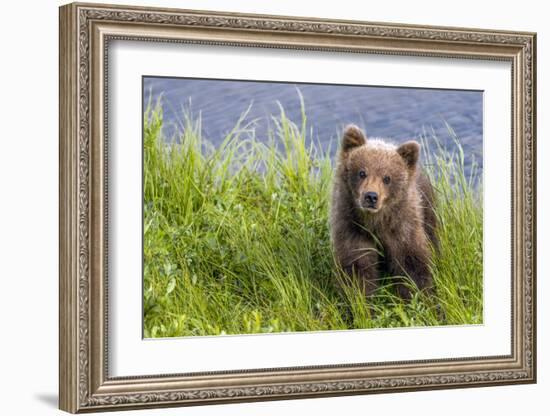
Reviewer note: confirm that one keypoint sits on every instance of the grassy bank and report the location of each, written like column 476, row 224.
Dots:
column 236, row 239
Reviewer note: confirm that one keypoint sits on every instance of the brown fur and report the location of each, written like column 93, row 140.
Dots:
column 394, row 236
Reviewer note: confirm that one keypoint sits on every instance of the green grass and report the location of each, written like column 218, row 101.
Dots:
column 236, row 238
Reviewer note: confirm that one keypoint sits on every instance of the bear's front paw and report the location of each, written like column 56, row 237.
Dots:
column 404, row 292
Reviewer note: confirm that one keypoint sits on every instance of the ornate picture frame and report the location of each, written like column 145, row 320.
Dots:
column 85, row 33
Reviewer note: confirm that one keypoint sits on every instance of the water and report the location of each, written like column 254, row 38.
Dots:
column 399, row 114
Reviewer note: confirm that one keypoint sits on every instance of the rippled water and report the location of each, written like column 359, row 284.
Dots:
column 399, row 114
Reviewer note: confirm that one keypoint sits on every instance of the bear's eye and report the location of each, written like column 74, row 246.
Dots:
column 387, row 180
column 362, row 174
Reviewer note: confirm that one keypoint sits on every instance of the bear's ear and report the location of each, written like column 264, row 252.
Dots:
column 409, row 151
column 353, row 137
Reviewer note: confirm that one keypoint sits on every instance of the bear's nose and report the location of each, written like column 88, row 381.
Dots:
column 371, row 198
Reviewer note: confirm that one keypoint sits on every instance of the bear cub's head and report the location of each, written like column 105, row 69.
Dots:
column 377, row 173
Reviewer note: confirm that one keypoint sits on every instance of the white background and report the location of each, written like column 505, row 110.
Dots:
column 131, row 355
column 28, row 212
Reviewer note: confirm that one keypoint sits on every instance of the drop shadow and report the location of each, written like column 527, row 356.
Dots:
column 49, row 399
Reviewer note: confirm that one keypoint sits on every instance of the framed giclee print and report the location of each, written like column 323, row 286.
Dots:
column 263, row 207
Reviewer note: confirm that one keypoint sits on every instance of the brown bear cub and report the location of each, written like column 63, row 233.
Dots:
column 382, row 216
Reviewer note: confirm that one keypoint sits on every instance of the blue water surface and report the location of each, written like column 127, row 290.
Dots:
column 396, row 113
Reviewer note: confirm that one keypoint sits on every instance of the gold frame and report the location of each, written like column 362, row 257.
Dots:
column 85, row 31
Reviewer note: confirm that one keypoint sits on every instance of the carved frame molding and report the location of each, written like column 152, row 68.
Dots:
column 85, row 31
